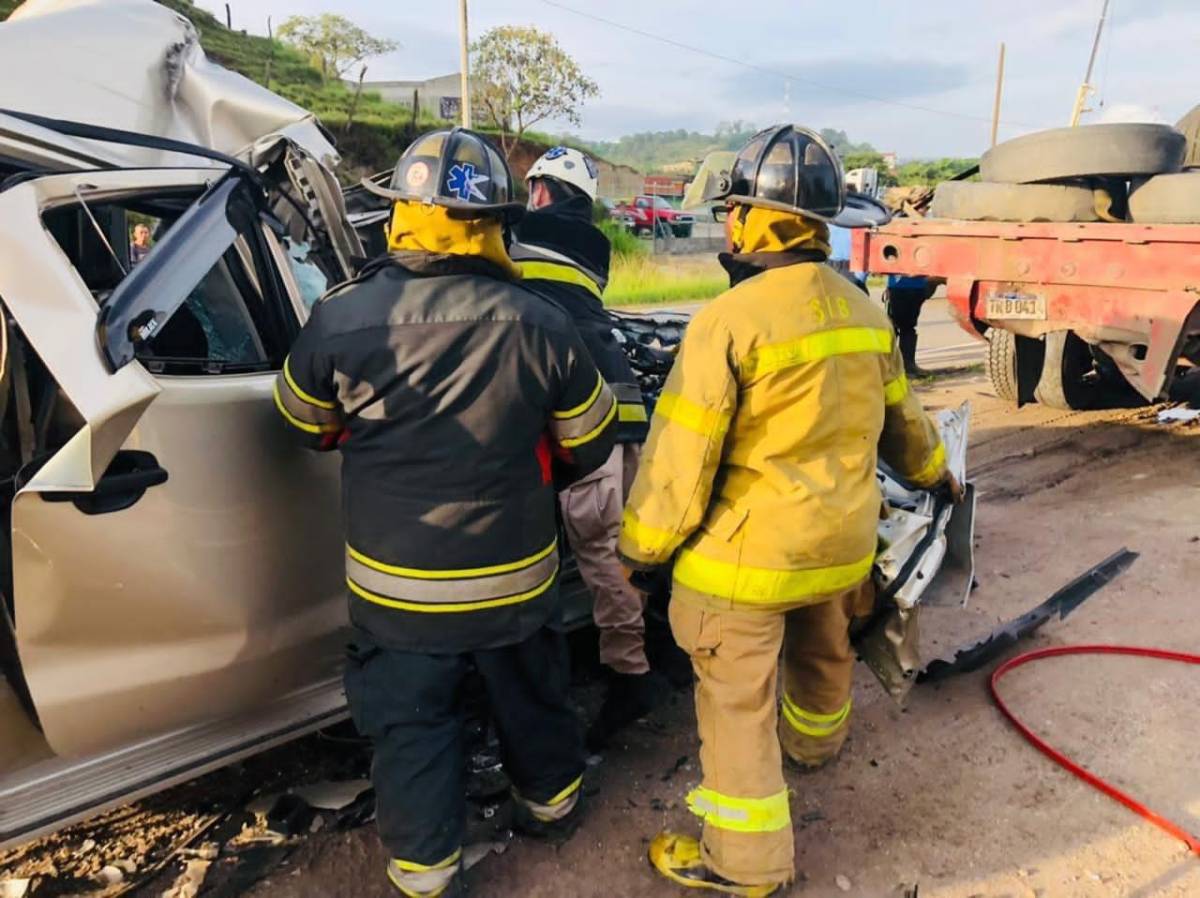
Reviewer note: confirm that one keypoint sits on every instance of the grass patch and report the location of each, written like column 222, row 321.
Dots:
column 642, row 279
column 624, row 244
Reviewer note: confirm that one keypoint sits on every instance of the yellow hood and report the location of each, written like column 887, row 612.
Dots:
column 426, row 228
column 759, row 230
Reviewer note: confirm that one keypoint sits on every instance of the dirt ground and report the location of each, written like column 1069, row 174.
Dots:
column 943, row 793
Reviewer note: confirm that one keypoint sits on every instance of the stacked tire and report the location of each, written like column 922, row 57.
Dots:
column 1092, row 173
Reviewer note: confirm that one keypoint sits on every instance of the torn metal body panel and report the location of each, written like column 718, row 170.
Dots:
column 142, row 69
column 1063, row 602
column 926, row 557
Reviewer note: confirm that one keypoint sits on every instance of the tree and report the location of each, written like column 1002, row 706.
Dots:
column 521, row 76
column 333, row 42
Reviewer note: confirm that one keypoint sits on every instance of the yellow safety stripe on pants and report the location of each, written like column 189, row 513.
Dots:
column 814, row 348
column 742, row 815
column 894, row 391
column 933, row 468
column 583, row 406
column 586, row 427
column 412, row 867
column 646, row 537
column 421, row 881
column 557, row 271
column 558, row 807
column 300, row 394
column 742, row 583
column 567, row 792
column 684, row 412
column 306, row 426
column 809, row 723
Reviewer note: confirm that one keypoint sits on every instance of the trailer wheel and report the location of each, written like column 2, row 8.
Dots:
column 1001, row 363
column 1068, row 362
column 1117, row 150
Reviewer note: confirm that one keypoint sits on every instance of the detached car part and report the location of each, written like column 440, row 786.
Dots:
column 926, row 557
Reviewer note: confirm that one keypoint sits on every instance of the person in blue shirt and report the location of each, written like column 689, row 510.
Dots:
column 839, row 256
column 904, row 297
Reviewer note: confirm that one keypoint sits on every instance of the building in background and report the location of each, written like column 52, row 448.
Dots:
column 889, row 159
column 439, row 97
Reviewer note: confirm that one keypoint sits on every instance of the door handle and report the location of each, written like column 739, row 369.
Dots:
column 129, row 475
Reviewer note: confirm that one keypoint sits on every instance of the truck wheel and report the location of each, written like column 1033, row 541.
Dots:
column 1116, row 150
column 1068, row 361
column 1001, row 363
column 1167, row 199
column 986, row 201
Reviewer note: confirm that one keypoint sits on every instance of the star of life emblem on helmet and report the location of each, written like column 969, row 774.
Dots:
column 556, row 152
column 463, row 182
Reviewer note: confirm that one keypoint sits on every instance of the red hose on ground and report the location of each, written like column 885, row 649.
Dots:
column 1192, row 842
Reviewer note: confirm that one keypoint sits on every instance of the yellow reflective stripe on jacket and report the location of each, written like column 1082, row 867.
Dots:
column 570, row 442
column 809, row 723
column 814, row 348
column 894, row 391
column 300, row 394
column 765, row 585
column 558, row 271
column 306, row 426
column 741, row 815
column 583, row 406
column 449, row 607
column 682, row 411
column 933, row 468
column 459, row 574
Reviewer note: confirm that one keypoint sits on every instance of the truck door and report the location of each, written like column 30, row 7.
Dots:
column 175, row 560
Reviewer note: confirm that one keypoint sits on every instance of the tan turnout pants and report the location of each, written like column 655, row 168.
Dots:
column 592, row 511
column 743, row 798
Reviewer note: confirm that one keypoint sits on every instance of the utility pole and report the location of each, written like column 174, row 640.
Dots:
column 465, row 54
column 999, row 93
column 1086, row 88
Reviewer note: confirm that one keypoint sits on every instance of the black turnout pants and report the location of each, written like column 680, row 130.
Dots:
column 410, row 706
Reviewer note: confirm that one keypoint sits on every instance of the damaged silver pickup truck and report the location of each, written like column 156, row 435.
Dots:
column 171, row 568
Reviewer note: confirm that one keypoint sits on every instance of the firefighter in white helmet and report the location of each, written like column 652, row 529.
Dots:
column 565, row 257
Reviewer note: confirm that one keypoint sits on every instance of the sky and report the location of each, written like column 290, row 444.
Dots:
column 916, row 78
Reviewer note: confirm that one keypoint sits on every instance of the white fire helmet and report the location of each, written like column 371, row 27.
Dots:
column 569, row 166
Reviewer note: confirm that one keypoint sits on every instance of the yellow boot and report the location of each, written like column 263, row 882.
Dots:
column 678, row 858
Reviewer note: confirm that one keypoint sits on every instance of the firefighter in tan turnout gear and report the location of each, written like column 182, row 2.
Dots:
column 565, row 257
column 759, row 484
column 459, row 402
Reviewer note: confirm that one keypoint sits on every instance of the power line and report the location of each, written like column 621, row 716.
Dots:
column 775, row 72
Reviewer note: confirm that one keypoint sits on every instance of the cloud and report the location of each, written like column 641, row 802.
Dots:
column 838, row 82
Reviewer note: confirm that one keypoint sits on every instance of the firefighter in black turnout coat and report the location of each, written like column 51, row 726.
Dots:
column 459, row 402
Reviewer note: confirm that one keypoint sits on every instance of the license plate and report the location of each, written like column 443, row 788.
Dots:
column 1016, row 306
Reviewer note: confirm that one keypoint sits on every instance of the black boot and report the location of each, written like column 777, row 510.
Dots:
column 629, row 697
column 908, row 351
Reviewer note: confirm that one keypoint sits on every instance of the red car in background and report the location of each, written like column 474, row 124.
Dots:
column 650, row 214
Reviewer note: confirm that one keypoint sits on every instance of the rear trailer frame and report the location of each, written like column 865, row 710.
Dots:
column 1132, row 290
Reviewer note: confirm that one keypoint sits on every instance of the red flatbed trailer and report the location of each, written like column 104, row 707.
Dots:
column 1131, row 292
